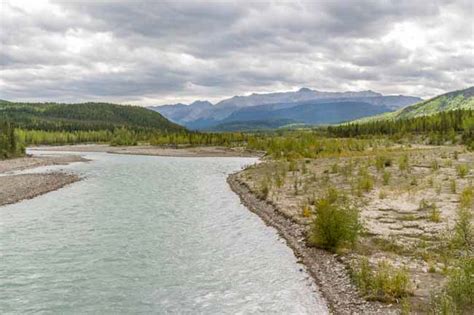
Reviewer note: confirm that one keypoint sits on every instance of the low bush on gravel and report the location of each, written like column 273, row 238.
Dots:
column 336, row 223
column 386, row 283
column 457, row 296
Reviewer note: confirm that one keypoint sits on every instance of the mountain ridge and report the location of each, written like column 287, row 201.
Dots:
column 203, row 115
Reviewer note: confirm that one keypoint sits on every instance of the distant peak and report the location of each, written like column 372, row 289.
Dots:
column 305, row 89
column 201, row 104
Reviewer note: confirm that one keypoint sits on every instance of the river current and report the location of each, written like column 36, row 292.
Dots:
column 145, row 234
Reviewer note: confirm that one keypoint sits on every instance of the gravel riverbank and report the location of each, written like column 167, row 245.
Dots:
column 17, row 187
column 329, row 273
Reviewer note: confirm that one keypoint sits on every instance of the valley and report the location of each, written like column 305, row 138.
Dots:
column 379, row 210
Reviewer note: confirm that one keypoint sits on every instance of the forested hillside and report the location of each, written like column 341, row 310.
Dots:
column 84, row 117
column 462, row 99
column 445, row 125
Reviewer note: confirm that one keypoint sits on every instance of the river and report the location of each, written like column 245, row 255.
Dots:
column 146, row 234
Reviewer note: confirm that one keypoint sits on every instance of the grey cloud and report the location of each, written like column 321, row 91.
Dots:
column 124, row 51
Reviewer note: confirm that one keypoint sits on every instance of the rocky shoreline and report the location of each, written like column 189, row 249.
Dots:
column 18, row 187
column 327, row 270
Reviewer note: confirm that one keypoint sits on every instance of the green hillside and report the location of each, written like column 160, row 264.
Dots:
column 83, row 117
column 462, row 99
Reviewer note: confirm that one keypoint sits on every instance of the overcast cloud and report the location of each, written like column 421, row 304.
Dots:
column 157, row 52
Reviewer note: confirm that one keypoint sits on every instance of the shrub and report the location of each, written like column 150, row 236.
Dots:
column 434, row 214
column 466, row 198
column 336, row 224
column 381, row 162
column 403, row 163
column 385, row 284
column 457, row 296
column 264, row 189
column 365, row 182
column 453, row 186
column 434, row 165
column 462, row 170
column 386, row 177
column 464, row 230
column 306, row 211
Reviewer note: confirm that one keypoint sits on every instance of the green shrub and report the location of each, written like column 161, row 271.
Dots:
column 264, row 188
column 386, row 177
column 464, row 230
column 434, row 213
column 434, row 165
column 336, row 223
column 466, row 198
column 381, row 162
column 403, row 163
column 463, row 170
column 457, row 296
column 365, row 182
column 385, row 284
column 452, row 186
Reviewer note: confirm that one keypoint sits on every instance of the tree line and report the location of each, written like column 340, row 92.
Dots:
column 9, row 145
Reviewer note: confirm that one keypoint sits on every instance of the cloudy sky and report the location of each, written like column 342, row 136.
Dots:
column 157, row 52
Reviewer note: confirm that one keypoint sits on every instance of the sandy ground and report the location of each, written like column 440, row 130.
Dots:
column 158, row 151
column 14, row 188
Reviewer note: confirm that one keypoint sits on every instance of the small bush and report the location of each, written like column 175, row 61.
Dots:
column 457, row 296
column 466, row 199
column 452, row 186
column 365, row 183
column 434, row 214
column 385, row 284
column 462, row 170
column 386, row 178
column 306, row 211
column 381, row 162
column 464, row 230
column 403, row 163
column 336, row 224
column 434, row 165
column 264, row 189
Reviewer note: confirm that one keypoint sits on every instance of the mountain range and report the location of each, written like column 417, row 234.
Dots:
column 273, row 110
